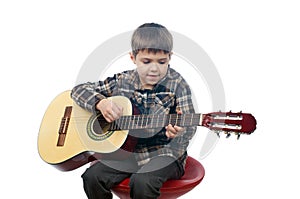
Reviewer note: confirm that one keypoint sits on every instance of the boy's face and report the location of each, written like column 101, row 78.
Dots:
column 151, row 67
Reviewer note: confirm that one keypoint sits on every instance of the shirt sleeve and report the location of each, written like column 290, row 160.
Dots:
column 88, row 94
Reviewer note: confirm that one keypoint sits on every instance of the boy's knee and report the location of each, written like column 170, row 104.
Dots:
column 145, row 186
column 89, row 177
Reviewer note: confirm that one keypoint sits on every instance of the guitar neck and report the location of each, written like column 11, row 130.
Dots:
column 156, row 121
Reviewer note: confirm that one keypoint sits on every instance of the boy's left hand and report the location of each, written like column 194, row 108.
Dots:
column 173, row 131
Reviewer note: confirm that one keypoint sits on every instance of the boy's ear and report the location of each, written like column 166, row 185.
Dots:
column 170, row 55
column 132, row 57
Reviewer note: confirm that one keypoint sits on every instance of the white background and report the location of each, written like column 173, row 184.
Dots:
column 254, row 45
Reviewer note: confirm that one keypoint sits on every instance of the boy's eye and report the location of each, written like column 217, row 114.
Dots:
column 147, row 61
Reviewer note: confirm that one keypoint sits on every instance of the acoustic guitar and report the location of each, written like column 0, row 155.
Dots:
column 70, row 136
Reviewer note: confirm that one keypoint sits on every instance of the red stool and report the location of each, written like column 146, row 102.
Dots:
column 172, row 189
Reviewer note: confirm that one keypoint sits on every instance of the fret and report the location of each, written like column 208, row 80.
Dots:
column 124, row 119
column 126, row 122
column 119, row 123
column 147, row 120
column 132, row 119
column 136, row 118
column 137, row 122
column 112, row 126
column 142, row 121
column 116, row 125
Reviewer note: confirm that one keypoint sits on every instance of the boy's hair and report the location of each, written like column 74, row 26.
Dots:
column 152, row 37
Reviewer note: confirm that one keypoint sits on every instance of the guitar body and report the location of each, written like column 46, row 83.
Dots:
column 67, row 140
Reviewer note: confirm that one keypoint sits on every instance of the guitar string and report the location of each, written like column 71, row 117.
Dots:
column 147, row 117
column 136, row 123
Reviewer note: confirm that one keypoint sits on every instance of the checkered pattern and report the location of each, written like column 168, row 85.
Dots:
column 171, row 94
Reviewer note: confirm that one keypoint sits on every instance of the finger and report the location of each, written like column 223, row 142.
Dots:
column 117, row 112
column 178, row 128
column 119, row 109
column 108, row 119
column 170, row 128
column 170, row 134
column 179, row 112
column 109, row 116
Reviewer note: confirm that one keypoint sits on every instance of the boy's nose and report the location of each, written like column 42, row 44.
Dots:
column 154, row 67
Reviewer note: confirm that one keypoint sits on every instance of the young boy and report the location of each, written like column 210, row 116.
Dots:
column 154, row 88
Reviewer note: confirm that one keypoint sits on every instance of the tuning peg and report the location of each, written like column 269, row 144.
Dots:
column 227, row 134
column 217, row 133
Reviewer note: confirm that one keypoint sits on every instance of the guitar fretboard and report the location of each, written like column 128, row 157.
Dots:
column 155, row 121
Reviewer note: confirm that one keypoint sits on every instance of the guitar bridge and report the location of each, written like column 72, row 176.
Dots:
column 62, row 132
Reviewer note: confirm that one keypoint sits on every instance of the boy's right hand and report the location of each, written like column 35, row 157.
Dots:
column 110, row 110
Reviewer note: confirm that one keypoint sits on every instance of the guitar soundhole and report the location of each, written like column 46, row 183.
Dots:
column 98, row 128
column 100, row 125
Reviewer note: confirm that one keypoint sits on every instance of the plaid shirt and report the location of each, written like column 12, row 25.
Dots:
column 171, row 94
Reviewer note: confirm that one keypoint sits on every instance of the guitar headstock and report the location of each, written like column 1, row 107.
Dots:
column 229, row 122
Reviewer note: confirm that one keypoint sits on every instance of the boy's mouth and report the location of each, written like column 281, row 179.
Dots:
column 153, row 76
